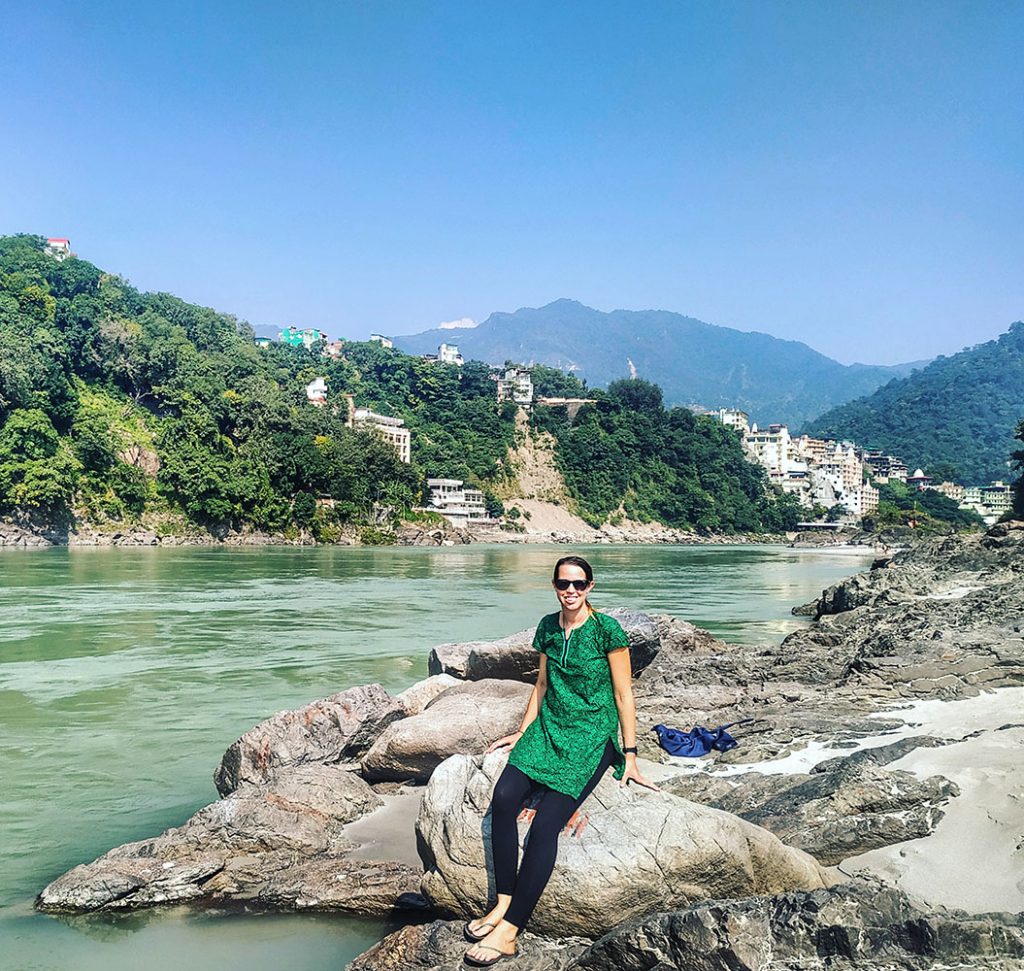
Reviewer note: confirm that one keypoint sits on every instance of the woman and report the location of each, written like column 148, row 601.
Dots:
column 565, row 744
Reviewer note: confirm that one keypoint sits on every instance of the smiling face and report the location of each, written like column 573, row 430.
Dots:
column 572, row 599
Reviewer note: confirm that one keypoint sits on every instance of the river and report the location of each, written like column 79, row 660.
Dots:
column 125, row 673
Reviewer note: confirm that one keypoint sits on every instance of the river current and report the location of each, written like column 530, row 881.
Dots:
column 125, row 673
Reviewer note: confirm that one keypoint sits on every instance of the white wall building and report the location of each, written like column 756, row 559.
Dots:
column 382, row 340
column 459, row 504
column 516, row 385
column 58, row 247
column 316, row 392
column 392, row 430
column 449, row 354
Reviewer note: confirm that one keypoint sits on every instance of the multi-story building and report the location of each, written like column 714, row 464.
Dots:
column 392, row 430
column 516, row 385
column 301, row 336
column 334, row 349
column 458, row 503
column 919, row 480
column 733, row 418
column 58, row 247
column 382, row 340
column 952, row 491
column 770, row 447
column 449, row 354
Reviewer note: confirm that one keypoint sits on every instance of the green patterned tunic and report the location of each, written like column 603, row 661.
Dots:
column 563, row 745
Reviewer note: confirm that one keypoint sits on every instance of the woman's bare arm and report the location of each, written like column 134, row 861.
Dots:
column 622, row 685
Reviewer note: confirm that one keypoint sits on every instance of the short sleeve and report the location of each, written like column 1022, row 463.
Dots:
column 614, row 636
column 538, row 637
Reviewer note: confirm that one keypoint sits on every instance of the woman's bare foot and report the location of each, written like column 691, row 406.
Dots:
column 485, row 924
column 502, row 938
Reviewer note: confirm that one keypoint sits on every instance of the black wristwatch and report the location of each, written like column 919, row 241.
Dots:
column 632, row 748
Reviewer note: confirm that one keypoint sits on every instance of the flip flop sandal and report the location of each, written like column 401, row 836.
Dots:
column 474, row 935
column 487, row 962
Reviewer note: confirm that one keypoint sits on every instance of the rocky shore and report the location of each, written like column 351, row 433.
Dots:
column 891, row 726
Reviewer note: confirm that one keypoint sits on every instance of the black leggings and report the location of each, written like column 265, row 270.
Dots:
column 554, row 810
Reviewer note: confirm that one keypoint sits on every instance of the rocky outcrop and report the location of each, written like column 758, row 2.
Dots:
column 846, row 806
column 853, row 926
column 280, row 844
column 639, row 852
column 464, row 718
column 416, row 697
column 335, row 729
column 856, row 926
column 514, row 657
column 439, row 946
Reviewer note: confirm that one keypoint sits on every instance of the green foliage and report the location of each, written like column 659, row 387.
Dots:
column 669, row 465
column 957, row 414
column 1017, row 457
column 927, row 510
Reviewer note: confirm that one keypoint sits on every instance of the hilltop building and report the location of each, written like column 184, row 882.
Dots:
column 919, row 480
column 382, row 340
column 516, row 385
column 449, row 354
column 459, row 504
column 58, row 247
column 262, row 341
column 733, row 418
column 301, row 336
column 334, row 349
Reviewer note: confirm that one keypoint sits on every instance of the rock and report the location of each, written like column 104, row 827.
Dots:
column 836, row 812
column 439, row 946
column 641, row 852
column 463, row 719
column 327, row 731
column 858, row 925
column 241, row 847
column 514, row 657
column 415, row 698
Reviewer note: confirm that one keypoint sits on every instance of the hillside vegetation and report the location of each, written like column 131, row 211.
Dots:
column 118, row 407
column 958, row 413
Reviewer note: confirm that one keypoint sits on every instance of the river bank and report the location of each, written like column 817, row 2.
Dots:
column 941, row 623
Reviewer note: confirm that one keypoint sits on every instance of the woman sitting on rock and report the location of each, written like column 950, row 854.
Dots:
column 568, row 739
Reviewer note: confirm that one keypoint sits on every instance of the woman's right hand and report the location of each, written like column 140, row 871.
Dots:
column 506, row 741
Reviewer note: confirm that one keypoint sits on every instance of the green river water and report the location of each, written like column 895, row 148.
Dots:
column 125, row 673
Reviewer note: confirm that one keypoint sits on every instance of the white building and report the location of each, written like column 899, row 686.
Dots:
column 382, row 340
column 516, row 385
column 392, row 430
column 459, row 504
column 58, row 247
column 449, row 354
column 316, row 392
column 733, row 418
column 770, row 447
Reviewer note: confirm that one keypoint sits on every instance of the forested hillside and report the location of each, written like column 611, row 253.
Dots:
column 119, row 406
column 959, row 411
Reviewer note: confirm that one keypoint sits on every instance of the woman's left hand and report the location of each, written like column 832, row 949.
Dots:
column 632, row 774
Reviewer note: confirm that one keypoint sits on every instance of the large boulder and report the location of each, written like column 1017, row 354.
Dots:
column 856, row 926
column 277, row 844
column 341, row 727
column 417, row 696
column 464, row 719
column 851, row 927
column 844, row 807
column 513, row 657
column 640, row 852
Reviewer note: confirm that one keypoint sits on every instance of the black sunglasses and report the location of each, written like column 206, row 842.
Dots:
column 580, row 585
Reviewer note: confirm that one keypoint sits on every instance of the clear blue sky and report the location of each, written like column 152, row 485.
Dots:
column 850, row 174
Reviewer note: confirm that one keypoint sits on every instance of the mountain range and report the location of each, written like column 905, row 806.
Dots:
column 694, row 362
column 960, row 411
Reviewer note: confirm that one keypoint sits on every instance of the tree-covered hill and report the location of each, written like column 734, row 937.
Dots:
column 693, row 361
column 118, row 406
column 959, row 411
